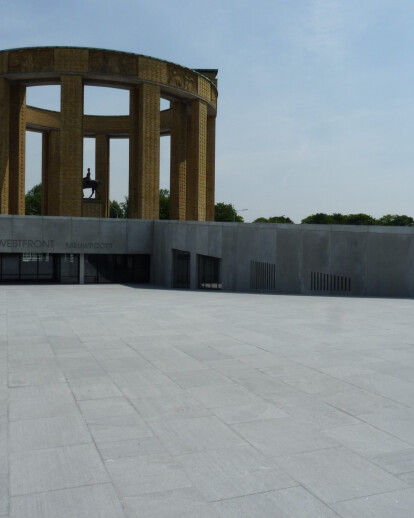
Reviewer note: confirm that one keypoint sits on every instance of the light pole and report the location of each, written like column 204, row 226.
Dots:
column 235, row 213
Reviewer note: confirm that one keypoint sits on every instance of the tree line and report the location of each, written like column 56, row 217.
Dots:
column 226, row 212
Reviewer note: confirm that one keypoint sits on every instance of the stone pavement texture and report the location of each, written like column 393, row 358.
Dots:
column 124, row 402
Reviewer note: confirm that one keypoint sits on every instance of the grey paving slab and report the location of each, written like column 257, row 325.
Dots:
column 317, row 413
column 227, row 395
column 179, row 503
column 356, row 402
column 49, row 404
column 283, row 436
column 389, row 505
column 141, row 379
column 124, row 363
column 197, row 434
column 131, row 448
column 382, row 384
column 36, row 372
column 55, row 468
column 294, row 502
column 68, row 347
column 134, row 390
column 337, row 474
column 313, row 382
column 35, row 434
column 3, row 439
column 398, row 422
column 396, row 462
column 199, row 378
column 408, row 478
column 94, row 388
column 30, row 351
column 93, row 501
column 106, row 407
column 149, row 474
column 228, row 473
column 186, row 363
column 80, row 368
column 118, row 428
column 4, row 493
column 202, row 352
column 368, row 441
column 176, row 406
column 251, row 412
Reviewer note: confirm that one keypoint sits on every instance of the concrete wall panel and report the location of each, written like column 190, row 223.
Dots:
column 390, row 271
column 6, row 231
column 139, row 238
column 59, row 230
column 229, row 262
column 215, row 240
column 349, row 258
column 85, row 229
column 289, row 260
column 315, row 255
column 113, row 231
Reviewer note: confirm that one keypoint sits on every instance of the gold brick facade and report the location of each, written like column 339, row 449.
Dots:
column 190, row 121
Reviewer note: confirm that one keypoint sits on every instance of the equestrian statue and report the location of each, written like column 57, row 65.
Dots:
column 88, row 183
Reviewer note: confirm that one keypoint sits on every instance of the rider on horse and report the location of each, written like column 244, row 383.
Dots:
column 88, row 183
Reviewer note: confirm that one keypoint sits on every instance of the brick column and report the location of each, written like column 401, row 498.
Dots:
column 211, row 166
column 71, row 146
column 102, row 171
column 196, row 173
column 178, row 164
column 50, row 173
column 144, row 152
column 17, row 150
column 4, row 144
column 45, row 174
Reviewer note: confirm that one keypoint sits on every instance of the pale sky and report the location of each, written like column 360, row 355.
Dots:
column 316, row 97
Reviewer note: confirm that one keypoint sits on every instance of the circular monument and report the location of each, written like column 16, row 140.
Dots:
column 190, row 121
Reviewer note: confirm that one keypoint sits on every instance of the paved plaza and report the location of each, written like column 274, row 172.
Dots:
column 125, row 402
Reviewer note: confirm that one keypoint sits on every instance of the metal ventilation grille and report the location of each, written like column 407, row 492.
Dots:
column 262, row 276
column 327, row 282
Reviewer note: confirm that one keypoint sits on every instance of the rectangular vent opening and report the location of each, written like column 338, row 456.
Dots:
column 330, row 283
column 262, row 276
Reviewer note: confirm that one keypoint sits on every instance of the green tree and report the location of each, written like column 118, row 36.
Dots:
column 340, row 219
column 318, row 219
column 164, row 204
column 115, row 210
column 124, row 206
column 396, row 220
column 360, row 219
column 226, row 212
column 33, row 201
column 274, row 219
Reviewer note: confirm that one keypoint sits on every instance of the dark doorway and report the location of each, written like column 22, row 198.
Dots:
column 181, row 265
column 209, row 274
column 106, row 268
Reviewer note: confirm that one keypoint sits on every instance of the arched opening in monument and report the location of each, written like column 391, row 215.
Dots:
column 165, row 104
column 33, row 173
column 119, row 174
column 44, row 96
column 101, row 100
column 165, row 154
column 165, row 158
column 89, row 147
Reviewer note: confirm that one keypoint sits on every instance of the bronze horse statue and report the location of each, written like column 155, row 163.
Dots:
column 88, row 183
